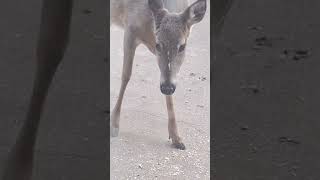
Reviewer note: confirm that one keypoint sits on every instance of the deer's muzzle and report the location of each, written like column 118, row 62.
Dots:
column 167, row 88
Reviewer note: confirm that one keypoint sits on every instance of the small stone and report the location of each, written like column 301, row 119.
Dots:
column 244, row 128
column 283, row 139
column 86, row 11
column 296, row 55
column 263, row 41
column 293, row 141
column 255, row 90
column 288, row 140
column 255, row 28
column 203, row 78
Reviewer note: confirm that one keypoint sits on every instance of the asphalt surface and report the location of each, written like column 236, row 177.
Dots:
column 142, row 150
column 265, row 92
column 72, row 135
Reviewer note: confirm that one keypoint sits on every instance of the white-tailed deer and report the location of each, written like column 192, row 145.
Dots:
column 52, row 43
column 165, row 34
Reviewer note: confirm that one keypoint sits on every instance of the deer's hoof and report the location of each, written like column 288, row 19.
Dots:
column 179, row 145
column 114, row 132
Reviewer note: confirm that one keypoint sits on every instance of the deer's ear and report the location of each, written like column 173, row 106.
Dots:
column 158, row 11
column 195, row 12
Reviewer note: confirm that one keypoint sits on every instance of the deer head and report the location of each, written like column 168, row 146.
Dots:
column 171, row 32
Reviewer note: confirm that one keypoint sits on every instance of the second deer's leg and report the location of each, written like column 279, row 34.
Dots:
column 54, row 30
column 129, row 48
column 172, row 125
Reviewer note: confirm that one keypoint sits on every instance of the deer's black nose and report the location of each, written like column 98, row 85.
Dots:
column 167, row 88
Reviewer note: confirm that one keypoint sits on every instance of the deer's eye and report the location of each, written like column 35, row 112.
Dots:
column 158, row 47
column 182, row 47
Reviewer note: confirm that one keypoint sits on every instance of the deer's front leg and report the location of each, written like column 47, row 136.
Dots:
column 54, row 31
column 129, row 48
column 172, row 125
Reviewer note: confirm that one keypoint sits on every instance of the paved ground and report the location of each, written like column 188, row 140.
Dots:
column 142, row 150
column 266, row 92
column 73, row 134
